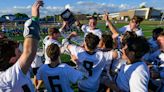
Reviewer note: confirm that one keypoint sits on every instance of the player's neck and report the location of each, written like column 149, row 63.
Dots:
column 91, row 28
column 91, row 52
column 88, row 50
column 50, row 37
column 132, row 61
column 54, row 64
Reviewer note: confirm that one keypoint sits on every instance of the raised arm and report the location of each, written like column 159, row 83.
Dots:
column 64, row 26
column 77, row 23
column 111, row 26
column 31, row 35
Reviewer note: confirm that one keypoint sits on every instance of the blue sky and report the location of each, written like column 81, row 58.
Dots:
column 84, row 6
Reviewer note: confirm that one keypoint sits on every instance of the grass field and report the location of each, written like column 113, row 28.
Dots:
column 147, row 27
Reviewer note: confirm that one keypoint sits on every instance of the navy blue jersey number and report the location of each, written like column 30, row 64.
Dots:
column 88, row 66
column 54, row 87
column 26, row 88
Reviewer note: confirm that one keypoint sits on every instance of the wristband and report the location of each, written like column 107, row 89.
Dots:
column 32, row 29
column 35, row 18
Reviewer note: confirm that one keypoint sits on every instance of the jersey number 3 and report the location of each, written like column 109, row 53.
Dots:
column 88, row 66
column 54, row 86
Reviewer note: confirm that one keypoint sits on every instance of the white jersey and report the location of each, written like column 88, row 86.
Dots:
column 158, row 58
column 13, row 79
column 133, row 77
column 112, row 65
column 86, row 30
column 127, row 28
column 91, row 66
column 60, row 78
column 48, row 42
column 153, row 57
column 116, row 65
column 161, row 57
column 38, row 60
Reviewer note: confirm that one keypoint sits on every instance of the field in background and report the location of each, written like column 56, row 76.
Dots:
column 147, row 27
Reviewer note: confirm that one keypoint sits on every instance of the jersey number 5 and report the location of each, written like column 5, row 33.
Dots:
column 88, row 66
column 53, row 86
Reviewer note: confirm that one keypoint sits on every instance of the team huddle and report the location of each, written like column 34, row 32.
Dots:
column 120, row 60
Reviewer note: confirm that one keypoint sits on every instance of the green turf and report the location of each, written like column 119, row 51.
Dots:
column 146, row 26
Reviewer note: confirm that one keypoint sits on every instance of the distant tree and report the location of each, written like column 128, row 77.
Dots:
column 94, row 14
column 49, row 18
column 3, row 16
column 21, row 15
column 143, row 6
column 87, row 14
column 8, row 17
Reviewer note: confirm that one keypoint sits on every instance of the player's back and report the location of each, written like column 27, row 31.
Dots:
column 131, row 74
column 92, row 65
column 59, row 78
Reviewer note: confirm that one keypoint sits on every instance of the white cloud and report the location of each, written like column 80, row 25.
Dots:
column 86, row 3
column 16, row 9
column 49, row 7
column 91, row 7
column 80, row 2
column 28, row 7
column 142, row 4
column 49, row 10
column 22, row 7
column 68, row 6
column 81, row 6
column 123, row 6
